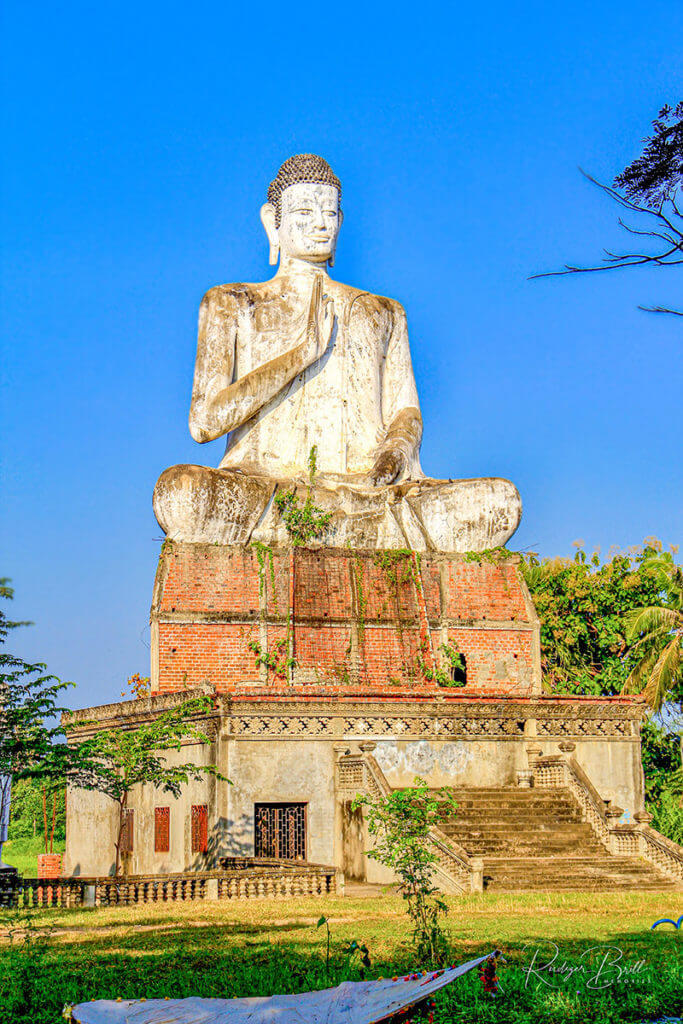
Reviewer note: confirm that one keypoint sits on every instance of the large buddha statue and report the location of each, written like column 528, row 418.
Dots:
column 302, row 361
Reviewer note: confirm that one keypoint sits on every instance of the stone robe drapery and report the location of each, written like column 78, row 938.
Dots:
column 343, row 403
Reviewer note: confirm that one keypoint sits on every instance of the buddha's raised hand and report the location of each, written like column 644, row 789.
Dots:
column 320, row 322
column 387, row 467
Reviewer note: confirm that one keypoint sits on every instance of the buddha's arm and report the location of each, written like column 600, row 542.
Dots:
column 400, row 406
column 220, row 404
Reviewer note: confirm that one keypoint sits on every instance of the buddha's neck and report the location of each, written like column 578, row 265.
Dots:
column 291, row 266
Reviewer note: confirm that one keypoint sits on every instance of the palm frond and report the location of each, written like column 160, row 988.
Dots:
column 645, row 620
column 664, row 675
column 641, row 673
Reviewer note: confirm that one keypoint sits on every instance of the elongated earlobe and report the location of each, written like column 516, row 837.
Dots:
column 331, row 259
column 268, row 219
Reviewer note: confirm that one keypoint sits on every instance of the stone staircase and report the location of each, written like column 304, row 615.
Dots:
column 535, row 839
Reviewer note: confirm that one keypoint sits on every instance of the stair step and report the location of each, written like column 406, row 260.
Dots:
column 535, row 839
column 570, row 829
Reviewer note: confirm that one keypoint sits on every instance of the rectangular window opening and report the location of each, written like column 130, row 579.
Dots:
column 280, row 831
column 162, row 829
column 200, row 828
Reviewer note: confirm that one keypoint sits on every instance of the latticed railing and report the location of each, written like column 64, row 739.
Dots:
column 664, row 854
column 558, row 772
column 632, row 840
column 247, row 882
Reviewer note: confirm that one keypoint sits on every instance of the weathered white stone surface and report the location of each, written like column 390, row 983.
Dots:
column 303, row 361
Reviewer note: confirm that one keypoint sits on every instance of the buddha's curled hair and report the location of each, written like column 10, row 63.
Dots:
column 302, row 167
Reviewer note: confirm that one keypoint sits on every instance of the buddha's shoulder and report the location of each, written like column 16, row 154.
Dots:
column 368, row 302
column 227, row 297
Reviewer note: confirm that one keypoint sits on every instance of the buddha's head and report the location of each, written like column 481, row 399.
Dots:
column 303, row 214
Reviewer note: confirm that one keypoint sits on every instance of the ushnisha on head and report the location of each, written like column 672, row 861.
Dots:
column 303, row 214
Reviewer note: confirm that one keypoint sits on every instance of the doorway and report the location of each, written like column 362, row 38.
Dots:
column 280, row 831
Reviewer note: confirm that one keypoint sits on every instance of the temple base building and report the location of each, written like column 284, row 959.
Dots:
column 356, row 623
column 339, row 672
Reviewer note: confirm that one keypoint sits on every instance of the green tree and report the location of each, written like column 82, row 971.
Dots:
column 648, row 190
column 583, row 605
column 661, row 755
column 114, row 761
column 399, row 824
column 32, row 804
column 656, row 635
column 31, row 738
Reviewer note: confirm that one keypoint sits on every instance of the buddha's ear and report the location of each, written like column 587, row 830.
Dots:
column 334, row 254
column 268, row 219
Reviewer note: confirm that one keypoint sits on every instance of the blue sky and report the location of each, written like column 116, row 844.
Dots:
column 138, row 143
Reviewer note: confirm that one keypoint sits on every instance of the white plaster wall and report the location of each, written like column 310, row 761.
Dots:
column 91, row 827
column 286, row 771
column 450, row 762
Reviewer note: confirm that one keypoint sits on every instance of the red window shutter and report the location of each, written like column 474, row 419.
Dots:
column 127, row 831
column 200, row 828
column 162, row 829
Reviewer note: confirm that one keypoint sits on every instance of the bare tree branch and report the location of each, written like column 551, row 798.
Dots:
column 661, row 309
column 665, row 231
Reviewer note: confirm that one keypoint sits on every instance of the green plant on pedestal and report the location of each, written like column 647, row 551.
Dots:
column 303, row 522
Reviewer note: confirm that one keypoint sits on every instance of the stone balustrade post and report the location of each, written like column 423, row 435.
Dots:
column 642, row 820
column 477, row 874
column 212, row 888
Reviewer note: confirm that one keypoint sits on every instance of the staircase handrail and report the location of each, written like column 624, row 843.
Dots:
column 452, row 859
column 662, row 851
column 555, row 771
column 639, row 838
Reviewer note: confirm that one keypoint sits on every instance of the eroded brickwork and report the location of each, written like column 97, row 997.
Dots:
column 331, row 619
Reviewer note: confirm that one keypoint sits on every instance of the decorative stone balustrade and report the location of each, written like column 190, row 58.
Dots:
column 455, row 871
column 250, row 881
column 561, row 771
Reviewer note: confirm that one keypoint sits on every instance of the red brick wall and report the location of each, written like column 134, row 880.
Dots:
column 350, row 621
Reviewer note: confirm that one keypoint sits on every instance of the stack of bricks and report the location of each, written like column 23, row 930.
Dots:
column 334, row 621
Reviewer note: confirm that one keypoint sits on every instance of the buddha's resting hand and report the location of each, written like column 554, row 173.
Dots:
column 387, row 467
column 320, row 322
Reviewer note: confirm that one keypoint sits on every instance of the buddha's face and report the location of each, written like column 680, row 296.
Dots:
column 309, row 222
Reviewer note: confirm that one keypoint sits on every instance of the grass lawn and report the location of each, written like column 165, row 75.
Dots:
column 22, row 854
column 622, row 971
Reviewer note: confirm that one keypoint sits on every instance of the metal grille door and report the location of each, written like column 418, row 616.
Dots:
column 280, row 831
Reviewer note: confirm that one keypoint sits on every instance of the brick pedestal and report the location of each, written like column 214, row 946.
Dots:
column 328, row 621
column 49, row 865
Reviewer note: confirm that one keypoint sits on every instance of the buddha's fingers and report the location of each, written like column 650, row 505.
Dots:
column 314, row 306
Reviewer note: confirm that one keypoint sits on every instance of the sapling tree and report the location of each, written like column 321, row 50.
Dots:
column 114, row 761
column 399, row 824
column 30, row 732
